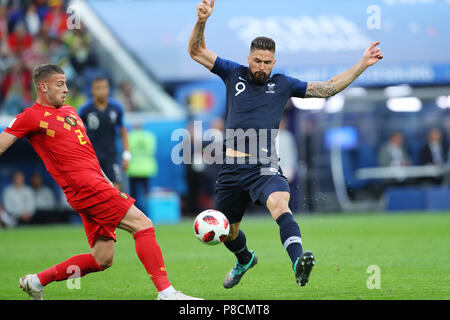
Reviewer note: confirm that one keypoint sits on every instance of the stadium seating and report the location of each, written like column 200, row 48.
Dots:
column 417, row 198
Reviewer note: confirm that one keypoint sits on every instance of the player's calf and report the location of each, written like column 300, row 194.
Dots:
column 290, row 235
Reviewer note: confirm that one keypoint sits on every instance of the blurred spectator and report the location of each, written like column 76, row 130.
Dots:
column 79, row 44
column 287, row 151
column 41, row 8
column 3, row 24
column 32, row 19
column 6, row 61
column 18, row 201
column 38, row 53
column 75, row 97
column 195, row 169
column 56, row 18
column 143, row 165
column 71, row 74
column 2, row 215
column 56, row 51
column 15, row 13
column 43, row 196
column 130, row 98
column 33, row 32
column 16, row 88
column 446, row 132
column 393, row 153
column 64, row 206
column 103, row 118
column 214, row 142
column 20, row 39
column 434, row 152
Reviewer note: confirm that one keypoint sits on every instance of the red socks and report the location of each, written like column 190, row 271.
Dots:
column 85, row 262
column 147, row 250
column 151, row 257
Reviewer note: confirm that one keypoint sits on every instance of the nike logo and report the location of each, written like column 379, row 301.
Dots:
column 240, row 78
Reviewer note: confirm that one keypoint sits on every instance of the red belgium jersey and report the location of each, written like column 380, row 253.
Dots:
column 59, row 137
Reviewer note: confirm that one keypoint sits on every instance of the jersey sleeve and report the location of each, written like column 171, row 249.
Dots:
column 22, row 124
column 298, row 87
column 223, row 67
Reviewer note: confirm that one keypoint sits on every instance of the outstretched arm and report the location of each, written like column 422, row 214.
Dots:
column 325, row 89
column 6, row 140
column 197, row 48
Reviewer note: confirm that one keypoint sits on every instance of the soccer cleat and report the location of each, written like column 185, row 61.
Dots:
column 234, row 276
column 177, row 295
column 27, row 286
column 303, row 267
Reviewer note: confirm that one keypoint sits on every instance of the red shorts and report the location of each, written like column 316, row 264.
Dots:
column 101, row 210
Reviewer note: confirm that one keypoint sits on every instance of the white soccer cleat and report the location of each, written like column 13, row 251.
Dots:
column 177, row 295
column 27, row 286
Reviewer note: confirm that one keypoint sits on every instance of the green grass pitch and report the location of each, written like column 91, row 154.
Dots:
column 410, row 250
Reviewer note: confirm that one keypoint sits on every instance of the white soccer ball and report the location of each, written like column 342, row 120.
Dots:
column 211, row 227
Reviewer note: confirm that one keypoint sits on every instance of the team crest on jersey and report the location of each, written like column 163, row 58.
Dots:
column 123, row 195
column 270, row 87
column 71, row 121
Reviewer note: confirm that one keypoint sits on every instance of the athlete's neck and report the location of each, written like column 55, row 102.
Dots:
column 101, row 104
column 44, row 102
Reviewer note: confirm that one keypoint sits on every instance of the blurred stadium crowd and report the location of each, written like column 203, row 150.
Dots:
column 34, row 32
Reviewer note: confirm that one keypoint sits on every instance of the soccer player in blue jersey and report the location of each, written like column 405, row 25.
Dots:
column 255, row 104
column 104, row 123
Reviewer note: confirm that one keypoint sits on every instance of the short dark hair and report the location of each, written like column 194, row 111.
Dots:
column 43, row 71
column 263, row 43
column 98, row 79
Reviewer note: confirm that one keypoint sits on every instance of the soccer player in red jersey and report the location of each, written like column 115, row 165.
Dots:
column 59, row 137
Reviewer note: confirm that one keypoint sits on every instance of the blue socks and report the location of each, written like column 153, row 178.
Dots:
column 290, row 236
column 239, row 247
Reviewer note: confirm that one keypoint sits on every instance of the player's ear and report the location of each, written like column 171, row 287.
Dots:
column 43, row 86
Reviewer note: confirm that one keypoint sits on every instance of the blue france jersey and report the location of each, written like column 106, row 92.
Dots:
column 252, row 106
column 102, row 127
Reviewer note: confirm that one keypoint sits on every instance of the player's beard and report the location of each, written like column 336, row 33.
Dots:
column 57, row 103
column 259, row 77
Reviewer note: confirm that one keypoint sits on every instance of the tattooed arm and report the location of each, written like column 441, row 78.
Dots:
column 325, row 89
column 197, row 48
column 6, row 140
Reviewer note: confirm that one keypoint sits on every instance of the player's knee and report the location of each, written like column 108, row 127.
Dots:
column 145, row 222
column 135, row 220
column 142, row 223
column 278, row 205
